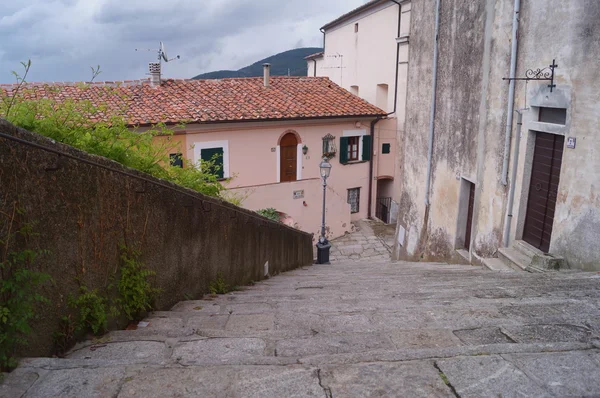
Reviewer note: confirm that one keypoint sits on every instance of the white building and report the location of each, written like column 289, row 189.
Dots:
column 366, row 52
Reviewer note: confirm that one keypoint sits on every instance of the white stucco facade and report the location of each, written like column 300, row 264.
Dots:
column 366, row 52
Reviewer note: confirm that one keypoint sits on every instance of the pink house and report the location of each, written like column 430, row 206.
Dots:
column 270, row 135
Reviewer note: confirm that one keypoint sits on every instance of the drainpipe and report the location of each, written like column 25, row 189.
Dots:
column 371, row 171
column 513, row 181
column 433, row 99
column 511, row 91
column 397, row 57
column 323, row 31
column 374, row 122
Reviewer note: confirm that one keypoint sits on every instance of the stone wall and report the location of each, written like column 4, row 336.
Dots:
column 84, row 207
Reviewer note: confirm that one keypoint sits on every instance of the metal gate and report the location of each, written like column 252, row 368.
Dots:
column 382, row 209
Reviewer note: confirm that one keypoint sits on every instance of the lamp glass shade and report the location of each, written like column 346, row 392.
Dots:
column 325, row 168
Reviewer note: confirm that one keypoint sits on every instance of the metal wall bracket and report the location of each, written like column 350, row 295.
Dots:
column 545, row 74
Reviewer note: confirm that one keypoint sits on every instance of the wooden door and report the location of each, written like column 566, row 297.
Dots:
column 289, row 157
column 469, row 228
column 543, row 190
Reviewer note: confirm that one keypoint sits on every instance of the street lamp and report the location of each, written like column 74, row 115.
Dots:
column 323, row 245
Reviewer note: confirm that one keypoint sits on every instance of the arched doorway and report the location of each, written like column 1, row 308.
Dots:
column 289, row 157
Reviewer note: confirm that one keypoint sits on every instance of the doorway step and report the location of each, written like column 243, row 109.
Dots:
column 524, row 257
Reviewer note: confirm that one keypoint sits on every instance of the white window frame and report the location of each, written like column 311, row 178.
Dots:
column 357, row 133
column 199, row 146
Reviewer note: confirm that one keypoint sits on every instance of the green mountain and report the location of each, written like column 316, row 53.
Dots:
column 280, row 63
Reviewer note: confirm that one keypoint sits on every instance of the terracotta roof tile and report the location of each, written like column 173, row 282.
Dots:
column 209, row 101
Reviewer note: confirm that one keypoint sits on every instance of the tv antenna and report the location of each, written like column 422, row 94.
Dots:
column 162, row 53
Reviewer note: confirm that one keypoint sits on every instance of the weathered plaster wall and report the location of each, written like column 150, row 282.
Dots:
column 83, row 212
column 470, row 124
column 431, row 232
column 570, row 33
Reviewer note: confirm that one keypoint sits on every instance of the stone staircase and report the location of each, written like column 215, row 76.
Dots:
column 521, row 256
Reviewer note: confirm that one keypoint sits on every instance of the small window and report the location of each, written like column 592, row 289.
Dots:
column 553, row 115
column 176, row 160
column 356, row 28
column 386, row 148
column 354, row 90
column 354, row 200
column 215, row 156
column 353, row 145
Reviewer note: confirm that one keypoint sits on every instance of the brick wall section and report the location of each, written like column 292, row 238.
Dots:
column 84, row 211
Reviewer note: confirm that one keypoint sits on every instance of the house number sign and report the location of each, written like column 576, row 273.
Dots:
column 571, row 142
column 298, row 194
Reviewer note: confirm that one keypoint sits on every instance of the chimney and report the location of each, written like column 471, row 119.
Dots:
column 154, row 68
column 267, row 73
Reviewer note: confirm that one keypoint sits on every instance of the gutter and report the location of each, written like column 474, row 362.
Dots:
column 511, row 91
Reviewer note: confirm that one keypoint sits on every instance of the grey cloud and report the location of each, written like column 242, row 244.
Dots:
column 64, row 37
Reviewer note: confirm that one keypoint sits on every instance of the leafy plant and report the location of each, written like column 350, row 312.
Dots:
column 219, row 285
column 69, row 121
column 19, row 288
column 136, row 291
column 270, row 213
column 65, row 334
column 92, row 311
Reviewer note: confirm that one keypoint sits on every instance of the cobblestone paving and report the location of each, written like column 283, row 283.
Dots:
column 351, row 329
column 372, row 241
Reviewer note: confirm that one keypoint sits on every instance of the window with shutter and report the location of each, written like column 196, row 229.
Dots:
column 366, row 154
column 344, row 150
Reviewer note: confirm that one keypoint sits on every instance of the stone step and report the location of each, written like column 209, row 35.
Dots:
column 526, row 249
column 512, row 257
column 495, row 264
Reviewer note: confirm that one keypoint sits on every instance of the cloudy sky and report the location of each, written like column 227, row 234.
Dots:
column 63, row 38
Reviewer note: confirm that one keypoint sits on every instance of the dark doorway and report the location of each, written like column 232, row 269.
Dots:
column 469, row 227
column 289, row 157
column 543, row 190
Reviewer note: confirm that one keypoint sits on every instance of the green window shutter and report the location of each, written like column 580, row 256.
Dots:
column 366, row 155
column 216, row 156
column 344, row 150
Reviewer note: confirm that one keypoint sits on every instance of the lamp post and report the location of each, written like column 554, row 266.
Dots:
column 323, row 245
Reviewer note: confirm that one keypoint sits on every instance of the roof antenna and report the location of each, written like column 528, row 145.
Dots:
column 162, row 53
column 155, row 68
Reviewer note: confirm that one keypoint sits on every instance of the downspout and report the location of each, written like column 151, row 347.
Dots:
column 511, row 91
column 323, row 31
column 513, row 180
column 397, row 57
column 374, row 122
column 433, row 99
column 371, row 171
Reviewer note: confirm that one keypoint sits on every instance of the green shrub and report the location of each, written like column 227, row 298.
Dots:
column 68, row 121
column 19, row 285
column 270, row 213
column 219, row 286
column 92, row 311
column 136, row 291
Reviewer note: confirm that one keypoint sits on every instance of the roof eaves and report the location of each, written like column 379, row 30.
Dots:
column 315, row 55
column 352, row 13
column 281, row 119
